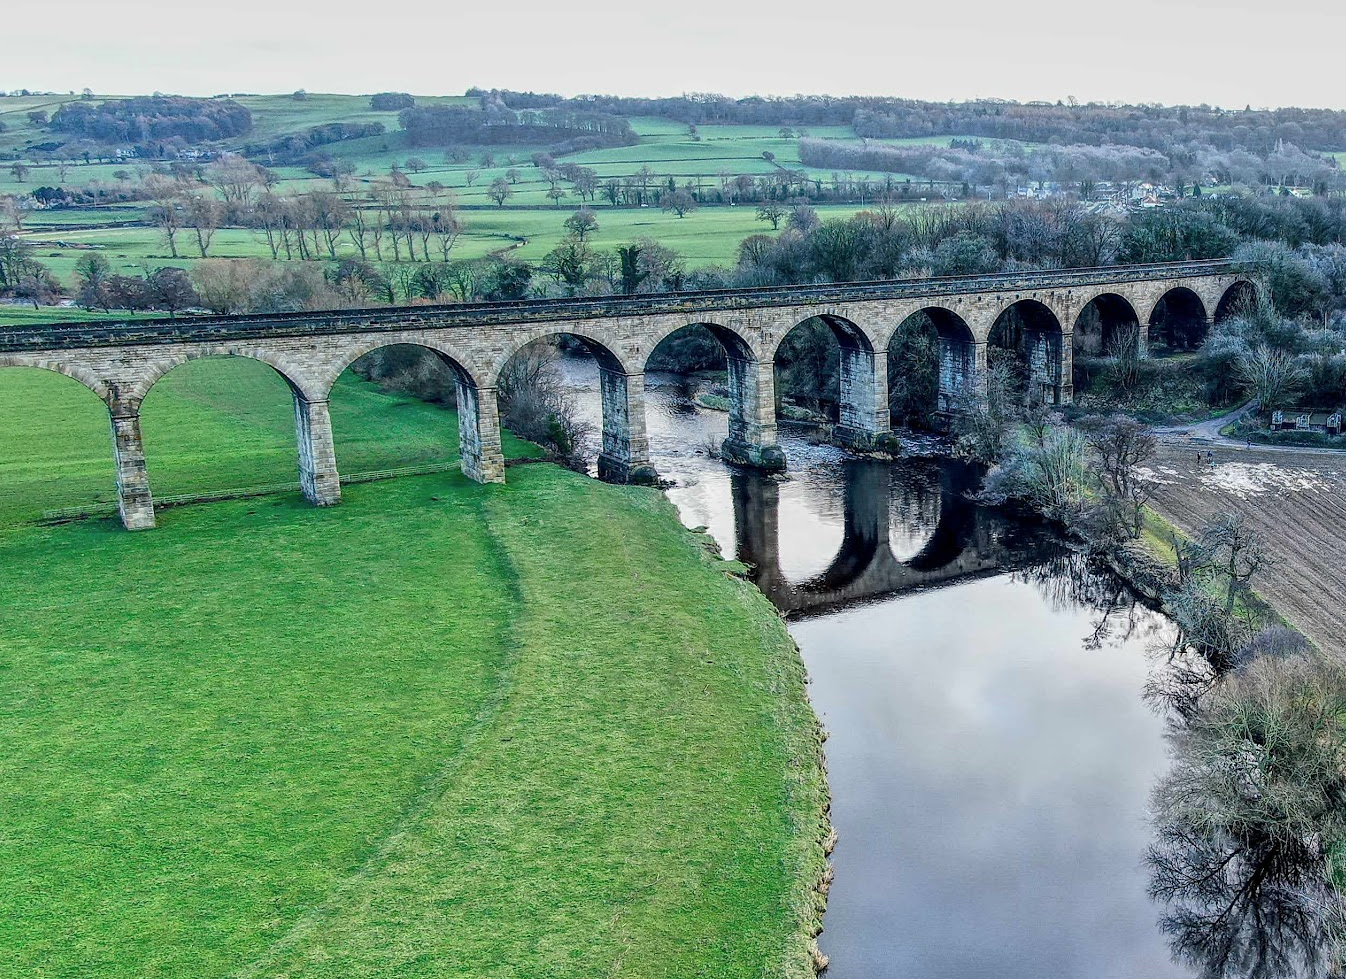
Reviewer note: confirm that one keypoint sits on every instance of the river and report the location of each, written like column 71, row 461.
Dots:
column 990, row 752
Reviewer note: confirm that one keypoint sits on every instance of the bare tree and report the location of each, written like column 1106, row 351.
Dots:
column 582, row 223
column 1232, row 551
column 679, row 202
column 1121, row 447
column 203, row 216
column 534, row 405
column 223, row 285
column 1124, row 352
column 1247, row 820
column 1273, row 377
column 236, row 179
column 773, row 211
column 500, row 191
column 166, row 208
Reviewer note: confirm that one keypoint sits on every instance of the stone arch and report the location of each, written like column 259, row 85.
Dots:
column 1033, row 332
column 76, row 372
column 1240, row 297
column 479, row 450
column 625, row 452
column 446, row 353
column 1178, row 320
column 954, row 365
column 316, row 464
column 849, row 335
column 1100, row 322
column 602, row 351
column 751, row 435
column 303, row 387
column 736, row 346
column 59, row 406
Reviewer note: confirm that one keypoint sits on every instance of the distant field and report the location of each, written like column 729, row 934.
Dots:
column 709, row 236
column 529, row 225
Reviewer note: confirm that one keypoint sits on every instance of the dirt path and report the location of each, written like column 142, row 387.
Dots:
column 1294, row 498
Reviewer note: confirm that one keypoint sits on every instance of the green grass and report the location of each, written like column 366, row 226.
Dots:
column 13, row 314
column 208, row 426
column 709, row 236
column 439, row 730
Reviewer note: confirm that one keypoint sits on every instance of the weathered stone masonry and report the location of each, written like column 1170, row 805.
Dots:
column 120, row 362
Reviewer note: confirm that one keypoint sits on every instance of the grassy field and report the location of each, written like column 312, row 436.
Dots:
column 209, row 425
column 442, row 729
column 710, row 236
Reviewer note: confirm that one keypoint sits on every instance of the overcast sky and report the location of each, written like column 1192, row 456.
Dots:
column 1189, row 51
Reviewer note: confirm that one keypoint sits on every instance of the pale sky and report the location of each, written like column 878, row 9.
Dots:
column 1181, row 51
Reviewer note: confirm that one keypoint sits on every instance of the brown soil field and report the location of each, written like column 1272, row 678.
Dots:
column 1295, row 499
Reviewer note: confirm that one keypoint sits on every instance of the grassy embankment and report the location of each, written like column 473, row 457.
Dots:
column 1160, row 538
column 442, row 729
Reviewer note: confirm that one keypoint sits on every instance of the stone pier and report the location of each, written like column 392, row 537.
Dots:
column 134, row 501
column 626, row 445
column 481, row 456
column 752, row 437
column 317, row 454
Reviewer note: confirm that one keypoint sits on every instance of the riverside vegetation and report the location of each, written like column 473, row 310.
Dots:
column 441, row 729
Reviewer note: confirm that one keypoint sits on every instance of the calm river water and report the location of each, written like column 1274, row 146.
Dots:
column 990, row 753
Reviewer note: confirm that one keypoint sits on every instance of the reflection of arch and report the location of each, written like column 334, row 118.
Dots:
column 1031, row 331
column 1101, row 320
column 289, row 373
column 1178, row 320
column 1239, row 299
column 962, row 541
column 83, row 375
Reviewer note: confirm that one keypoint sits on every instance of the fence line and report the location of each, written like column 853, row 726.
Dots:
column 69, row 514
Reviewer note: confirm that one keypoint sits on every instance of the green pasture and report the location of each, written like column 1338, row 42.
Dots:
column 708, row 236
column 441, row 729
column 208, row 426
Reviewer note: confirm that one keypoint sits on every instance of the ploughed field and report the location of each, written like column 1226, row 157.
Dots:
column 440, row 730
column 1295, row 500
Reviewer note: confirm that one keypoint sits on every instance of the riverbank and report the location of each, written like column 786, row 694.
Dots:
column 441, row 729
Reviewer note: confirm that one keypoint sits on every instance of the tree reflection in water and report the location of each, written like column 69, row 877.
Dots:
column 1250, row 820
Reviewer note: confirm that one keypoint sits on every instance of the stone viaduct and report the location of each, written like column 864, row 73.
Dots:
column 1034, row 313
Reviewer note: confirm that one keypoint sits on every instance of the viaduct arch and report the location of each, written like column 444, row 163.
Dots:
column 120, row 361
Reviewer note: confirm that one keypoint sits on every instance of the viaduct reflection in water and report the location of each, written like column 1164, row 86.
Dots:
column 961, row 539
